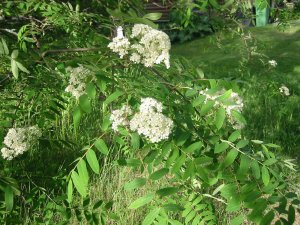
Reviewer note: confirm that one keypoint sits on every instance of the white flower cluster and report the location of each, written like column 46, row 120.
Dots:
column 77, row 81
column 120, row 44
column 150, row 105
column 149, row 121
column 272, row 63
column 19, row 140
column 235, row 102
column 149, row 46
column 119, row 117
column 284, row 90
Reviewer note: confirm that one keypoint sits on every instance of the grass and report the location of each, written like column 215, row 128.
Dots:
column 270, row 115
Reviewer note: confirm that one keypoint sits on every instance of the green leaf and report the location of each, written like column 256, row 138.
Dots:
column 79, row 184
column 133, row 162
column 179, row 162
column 291, row 214
column 244, row 166
column 159, row 174
column 85, row 104
column 101, row 146
column 228, row 191
column 272, row 145
column 203, row 160
column 221, row 147
column 5, row 48
column 167, row 191
column 200, row 73
column 14, row 69
column 255, row 169
column 270, row 162
column 233, row 205
column 265, row 175
column 83, row 172
column 152, row 215
column 135, row 141
column 237, row 220
column 242, row 143
column 106, row 123
column 268, row 218
column 14, row 54
column 116, row 13
column 219, row 188
column 93, row 161
column 1, row 49
column 207, row 107
column 91, row 90
column 136, row 183
column 198, row 101
column 141, row 201
column 193, row 147
column 227, row 4
column 238, row 117
column 150, row 157
column 76, row 117
column 193, row 92
column 113, row 97
column 153, row 16
column 143, row 21
column 291, row 195
column 70, row 191
column 22, row 68
column 190, row 216
column 9, row 198
column 173, row 207
column 220, row 118
column 225, row 96
column 190, row 170
column 230, row 158
column 257, row 141
column 234, row 136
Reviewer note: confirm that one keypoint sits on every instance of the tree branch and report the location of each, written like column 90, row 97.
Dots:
column 57, row 51
column 9, row 31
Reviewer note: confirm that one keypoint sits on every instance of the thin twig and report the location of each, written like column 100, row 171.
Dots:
column 57, row 51
column 9, row 31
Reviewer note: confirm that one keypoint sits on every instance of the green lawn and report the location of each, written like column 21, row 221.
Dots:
column 270, row 115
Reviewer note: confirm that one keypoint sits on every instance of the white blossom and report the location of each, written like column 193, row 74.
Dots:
column 196, row 184
column 284, row 90
column 77, row 81
column 140, row 30
column 120, row 32
column 120, row 44
column 147, row 46
column 150, row 105
column 153, row 47
column 272, row 63
column 119, row 117
column 149, row 121
column 19, row 140
column 154, row 126
column 136, row 58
